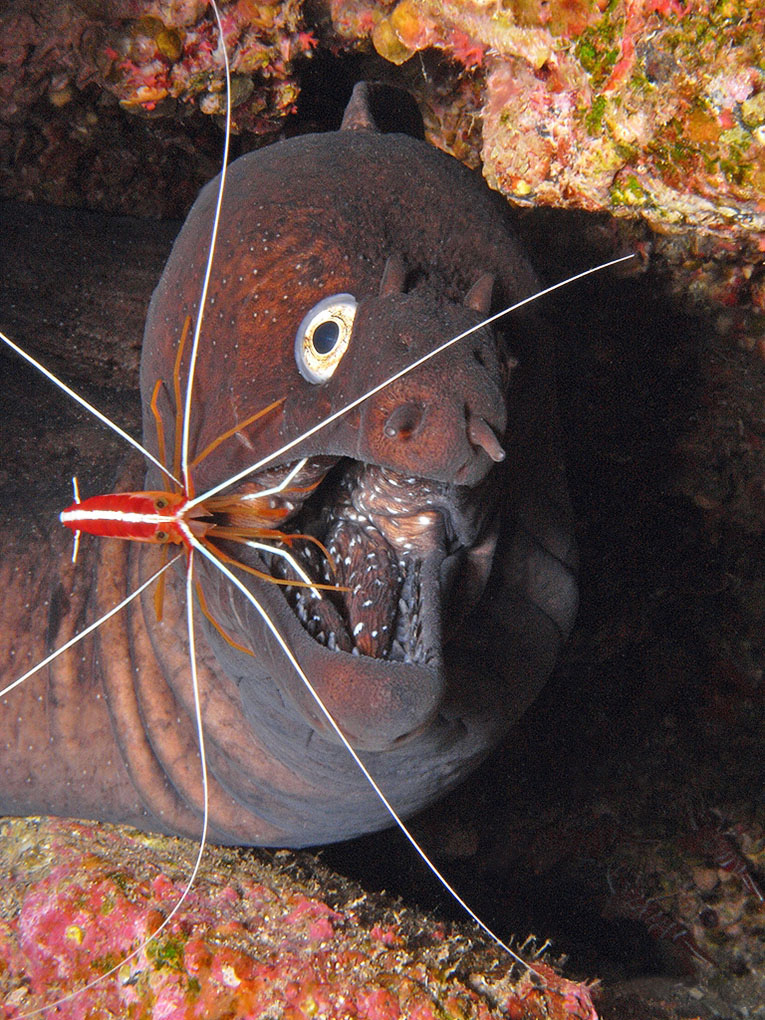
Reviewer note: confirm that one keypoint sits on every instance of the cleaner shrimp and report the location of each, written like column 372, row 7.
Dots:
column 179, row 514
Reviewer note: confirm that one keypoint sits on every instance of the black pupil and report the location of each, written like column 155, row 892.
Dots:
column 325, row 336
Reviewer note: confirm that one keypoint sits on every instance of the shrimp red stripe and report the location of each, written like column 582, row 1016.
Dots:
column 138, row 516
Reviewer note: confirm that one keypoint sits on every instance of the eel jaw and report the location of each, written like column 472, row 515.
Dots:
column 373, row 649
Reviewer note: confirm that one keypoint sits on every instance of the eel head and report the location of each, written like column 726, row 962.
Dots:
column 341, row 260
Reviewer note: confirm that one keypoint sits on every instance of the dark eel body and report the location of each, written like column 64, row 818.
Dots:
column 459, row 567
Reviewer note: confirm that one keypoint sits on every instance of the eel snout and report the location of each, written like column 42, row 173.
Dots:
column 446, row 420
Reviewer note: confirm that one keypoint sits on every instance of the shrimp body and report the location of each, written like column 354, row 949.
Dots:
column 158, row 517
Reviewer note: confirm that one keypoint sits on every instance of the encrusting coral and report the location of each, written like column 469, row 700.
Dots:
column 260, row 934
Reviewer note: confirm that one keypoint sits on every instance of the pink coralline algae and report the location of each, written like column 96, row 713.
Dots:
column 641, row 108
column 650, row 109
column 118, row 105
column 152, row 56
column 654, row 107
column 155, row 60
column 260, row 934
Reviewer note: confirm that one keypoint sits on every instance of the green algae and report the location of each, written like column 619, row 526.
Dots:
column 598, row 47
column 166, row 952
column 593, row 120
column 628, row 192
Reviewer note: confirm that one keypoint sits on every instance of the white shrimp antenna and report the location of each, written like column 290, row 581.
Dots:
column 209, row 265
column 77, row 532
column 397, row 819
column 234, row 479
column 90, row 408
column 189, row 568
column 89, row 629
column 205, row 791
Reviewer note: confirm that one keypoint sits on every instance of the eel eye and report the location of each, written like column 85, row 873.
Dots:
column 323, row 337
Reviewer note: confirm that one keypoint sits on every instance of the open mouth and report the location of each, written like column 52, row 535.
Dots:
column 385, row 547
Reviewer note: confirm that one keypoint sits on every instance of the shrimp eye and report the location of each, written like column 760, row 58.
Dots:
column 323, row 337
column 161, row 536
column 160, row 503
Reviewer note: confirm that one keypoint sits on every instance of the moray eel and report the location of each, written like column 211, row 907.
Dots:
column 341, row 258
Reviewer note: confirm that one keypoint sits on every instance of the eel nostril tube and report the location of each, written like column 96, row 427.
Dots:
column 481, row 434
column 404, row 422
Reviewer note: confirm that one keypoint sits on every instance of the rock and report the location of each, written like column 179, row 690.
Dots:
column 259, row 934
